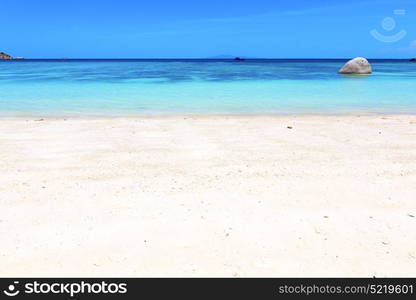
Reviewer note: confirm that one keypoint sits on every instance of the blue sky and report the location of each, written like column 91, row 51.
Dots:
column 193, row 29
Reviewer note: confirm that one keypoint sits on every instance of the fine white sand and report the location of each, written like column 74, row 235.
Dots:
column 208, row 196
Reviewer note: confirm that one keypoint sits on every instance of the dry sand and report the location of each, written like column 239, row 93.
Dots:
column 208, row 196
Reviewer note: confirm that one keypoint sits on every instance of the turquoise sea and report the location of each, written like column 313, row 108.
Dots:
column 140, row 86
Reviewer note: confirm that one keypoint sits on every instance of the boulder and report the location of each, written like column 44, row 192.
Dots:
column 358, row 65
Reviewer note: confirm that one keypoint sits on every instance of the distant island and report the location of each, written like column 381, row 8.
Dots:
column 226, row 56
column 6, row 56
column 222, row 56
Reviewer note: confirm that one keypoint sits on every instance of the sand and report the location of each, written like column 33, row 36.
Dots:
column 208, row 196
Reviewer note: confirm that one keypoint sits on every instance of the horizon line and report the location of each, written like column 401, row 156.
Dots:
column 193, row 58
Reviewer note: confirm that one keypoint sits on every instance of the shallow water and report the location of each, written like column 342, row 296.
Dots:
column 56, row 87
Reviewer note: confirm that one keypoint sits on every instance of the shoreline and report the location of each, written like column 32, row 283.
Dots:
column 205, row 115
column 242, row 196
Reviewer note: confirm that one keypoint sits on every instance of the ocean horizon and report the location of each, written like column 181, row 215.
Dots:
column 202, row 86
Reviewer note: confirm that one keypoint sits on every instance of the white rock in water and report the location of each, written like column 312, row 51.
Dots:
column 358, row 65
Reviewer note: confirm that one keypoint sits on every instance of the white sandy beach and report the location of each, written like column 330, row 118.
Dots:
column 208, row 196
